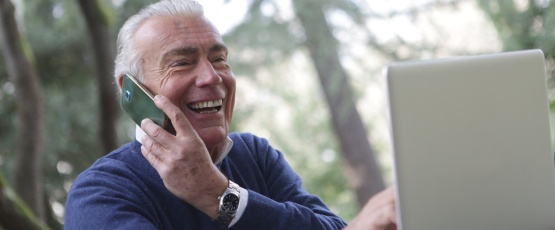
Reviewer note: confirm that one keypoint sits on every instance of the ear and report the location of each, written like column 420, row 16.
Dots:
column 120, row 81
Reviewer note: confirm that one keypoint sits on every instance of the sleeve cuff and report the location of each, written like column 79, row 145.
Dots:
column 242, row 205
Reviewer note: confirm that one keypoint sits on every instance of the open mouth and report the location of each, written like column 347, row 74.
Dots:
column 206, row 106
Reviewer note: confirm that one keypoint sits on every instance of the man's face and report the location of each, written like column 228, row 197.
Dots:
column 185, row 60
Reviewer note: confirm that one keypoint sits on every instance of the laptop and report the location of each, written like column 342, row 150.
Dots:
column 472, row 143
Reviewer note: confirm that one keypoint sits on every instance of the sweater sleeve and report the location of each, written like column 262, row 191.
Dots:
column 100, row 200
column 287, row 205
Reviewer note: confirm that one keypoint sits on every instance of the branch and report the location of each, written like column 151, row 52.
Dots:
column 14, row 213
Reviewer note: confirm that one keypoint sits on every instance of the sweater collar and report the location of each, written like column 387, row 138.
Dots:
column 139, row 133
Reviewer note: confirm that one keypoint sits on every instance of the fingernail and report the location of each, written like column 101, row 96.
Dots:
column 157, row 97
column 143, row 139
column 143, row 122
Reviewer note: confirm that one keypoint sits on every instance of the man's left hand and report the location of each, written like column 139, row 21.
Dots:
column 378, row 213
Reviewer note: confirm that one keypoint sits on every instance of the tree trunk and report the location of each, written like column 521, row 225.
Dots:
column 100, row 30
column 14, row 214
column 18, row 56
column 362, row 171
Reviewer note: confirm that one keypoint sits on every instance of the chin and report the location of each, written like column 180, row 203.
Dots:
column 212, row 136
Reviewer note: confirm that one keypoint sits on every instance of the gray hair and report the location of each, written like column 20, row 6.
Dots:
column 128, row 60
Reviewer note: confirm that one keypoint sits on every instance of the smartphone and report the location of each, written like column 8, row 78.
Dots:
column 138, row 103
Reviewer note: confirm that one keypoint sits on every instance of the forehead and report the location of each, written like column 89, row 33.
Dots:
column 163, row 33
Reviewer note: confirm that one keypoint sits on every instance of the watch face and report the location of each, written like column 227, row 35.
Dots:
column 231, row 202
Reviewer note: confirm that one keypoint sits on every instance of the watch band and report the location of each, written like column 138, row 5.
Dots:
column 229, row 203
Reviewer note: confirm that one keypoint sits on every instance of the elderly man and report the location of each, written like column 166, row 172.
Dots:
column 201, row 177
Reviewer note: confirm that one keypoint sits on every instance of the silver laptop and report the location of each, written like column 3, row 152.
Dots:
column 472, row 143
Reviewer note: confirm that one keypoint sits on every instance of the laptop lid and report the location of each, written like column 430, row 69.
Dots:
column 472, row 143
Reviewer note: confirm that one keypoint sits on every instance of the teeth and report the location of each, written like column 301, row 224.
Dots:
column 209, row 111
column 206, row 104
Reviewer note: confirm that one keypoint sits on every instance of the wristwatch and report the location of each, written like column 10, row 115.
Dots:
column 229, row 203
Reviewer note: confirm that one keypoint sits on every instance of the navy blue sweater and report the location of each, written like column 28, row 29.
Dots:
column 123, row 191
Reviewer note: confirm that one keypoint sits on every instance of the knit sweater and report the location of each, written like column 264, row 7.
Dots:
column 123, row 191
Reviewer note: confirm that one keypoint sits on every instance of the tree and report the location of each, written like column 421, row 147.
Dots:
column 65, row 59
column 100, row 22
column 364, row 173
column 267, row 38
column 19, row 59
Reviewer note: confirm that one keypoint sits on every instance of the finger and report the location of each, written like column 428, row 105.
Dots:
column 387, row 193
column 392, row 227
column 156, row 132
column 375, row 218
column 179, row 121
column 385, row 217
column 383, row 198
column 153, row 147
column 151, row 158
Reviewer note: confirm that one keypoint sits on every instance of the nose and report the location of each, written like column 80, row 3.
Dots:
column 207, row 76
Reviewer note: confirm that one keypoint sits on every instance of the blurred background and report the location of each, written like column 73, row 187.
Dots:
column 309, row 79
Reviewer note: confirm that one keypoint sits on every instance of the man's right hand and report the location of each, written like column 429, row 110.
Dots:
column 183, row 161
column 377, row 214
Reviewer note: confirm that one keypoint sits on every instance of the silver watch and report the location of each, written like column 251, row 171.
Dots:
column 229, row 203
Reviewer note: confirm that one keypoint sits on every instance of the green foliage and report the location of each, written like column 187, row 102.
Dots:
column 523, row 27
column 106, row 13
column 57, row 34
column 27, row 50
column 261, row 40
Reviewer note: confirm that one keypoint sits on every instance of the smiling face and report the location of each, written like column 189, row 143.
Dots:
column 185, row 60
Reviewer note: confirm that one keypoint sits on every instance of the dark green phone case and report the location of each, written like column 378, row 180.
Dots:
column 138, row 103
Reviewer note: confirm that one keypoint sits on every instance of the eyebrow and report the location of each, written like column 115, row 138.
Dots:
column 178, row 51
column 191, row 50
column 218, row 47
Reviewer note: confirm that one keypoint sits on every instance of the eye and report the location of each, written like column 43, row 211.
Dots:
column 180, row 63
column 220, row 59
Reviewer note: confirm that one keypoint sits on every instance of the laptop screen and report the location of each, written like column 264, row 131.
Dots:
column 472, row 143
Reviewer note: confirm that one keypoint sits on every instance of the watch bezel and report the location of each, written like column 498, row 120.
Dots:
column 227, row 198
